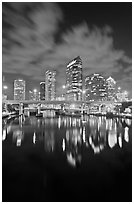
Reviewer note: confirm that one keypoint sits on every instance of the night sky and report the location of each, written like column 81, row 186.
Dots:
column 39, row 36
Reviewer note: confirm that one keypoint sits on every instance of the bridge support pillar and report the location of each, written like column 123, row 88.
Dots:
column 38, row 109
column 100, row 108
column 82, row 108
column 21, row 109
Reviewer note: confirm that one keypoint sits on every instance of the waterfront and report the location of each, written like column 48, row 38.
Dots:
column 67, row 159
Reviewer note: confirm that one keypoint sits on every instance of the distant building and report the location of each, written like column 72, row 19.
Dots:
column 111, row 89
column 74, row 80
column 42, row 90
column 30, row 95
column 122, row 96
column 96, row 88
column 19, row 89
column 50, row 85
column 61, row 98
column 34, row 95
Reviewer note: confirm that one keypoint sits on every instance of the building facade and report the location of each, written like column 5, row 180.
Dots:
column 42, row 90
column 111, row 89
column 74, row 80
column 50, row 85
column 96, row 88
column 122, row 96
column 34, row 95
column 19, row 89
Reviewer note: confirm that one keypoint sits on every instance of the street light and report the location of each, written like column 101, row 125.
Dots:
column 64, row 86
column 5, row 87
column 35, row 90
column 83, row 91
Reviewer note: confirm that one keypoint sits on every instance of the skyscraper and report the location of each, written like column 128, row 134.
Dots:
column 50, row 85
column 74, row 80
column 19, row 89
column 42, row 90
column 111, row 88
column 96, row 88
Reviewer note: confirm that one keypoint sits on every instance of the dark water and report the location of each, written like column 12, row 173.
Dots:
column 67, row 159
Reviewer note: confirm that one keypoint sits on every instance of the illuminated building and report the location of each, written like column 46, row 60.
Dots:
column 19, row 89
column 42, row 90
column 30, row 97
column 111, row 87
column 122, row 96
column 50, row 85
column 74, row 80
column 34, row 95
column 96, row 88
column 60, row 98
column 4, row 90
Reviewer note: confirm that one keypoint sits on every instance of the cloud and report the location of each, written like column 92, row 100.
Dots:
column 29, row 46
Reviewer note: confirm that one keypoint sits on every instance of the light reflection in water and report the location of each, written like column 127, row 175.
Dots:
column 84, row 134
column 126, row 135
column 120, row 140
column 4, row 134
column 49, row 141
column 112, row 138
column 34, row 138
column 63, row 145
column 8, row 129
column 93, row 133
column 18, row 136
column 128, row 121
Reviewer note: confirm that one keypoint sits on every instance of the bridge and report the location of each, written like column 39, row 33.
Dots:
column 100, row 106
column 55, row 102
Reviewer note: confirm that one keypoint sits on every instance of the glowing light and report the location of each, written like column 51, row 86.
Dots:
column 126, row 136
column 71, row 160
column 34, row 138
column 8, row 129
column 67, row 135
column 112, row 138
column 84, row 91
column 5, row 87
column 63, row 145
column 120, row 141
column 4, row 135
column 63, row 86
column 59, row 122
column 35, row 90
column 18, row 135
column 128, row 121
column 71, row 63
column 84, row 134
column 18, row 142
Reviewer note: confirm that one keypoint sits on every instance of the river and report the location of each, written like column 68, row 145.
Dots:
column 67, row 159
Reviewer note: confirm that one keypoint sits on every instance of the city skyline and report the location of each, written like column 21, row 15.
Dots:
column 75, row 89
column 54, row 33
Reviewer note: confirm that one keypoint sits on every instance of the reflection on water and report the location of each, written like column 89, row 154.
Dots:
column 49, row 141
column 71, row 136
column 18, row 136
column 126, row 135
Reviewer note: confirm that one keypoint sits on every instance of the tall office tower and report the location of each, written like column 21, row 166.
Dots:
column 96, row 88
column 42, row 90
column 50, row 85
column 74, row 80
column 111, row 89
column 19, row 89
